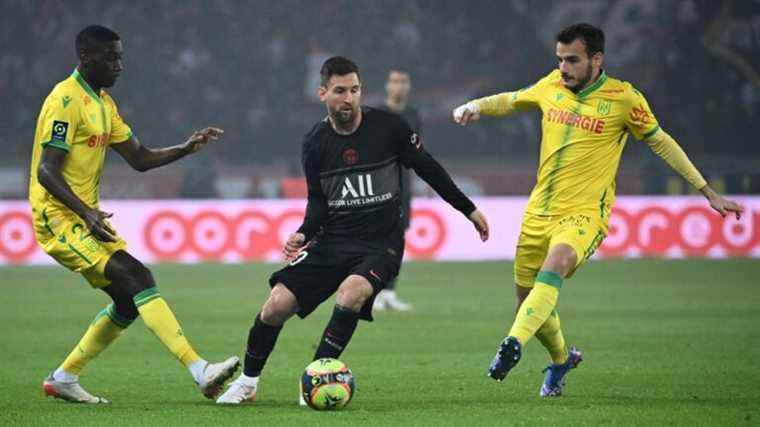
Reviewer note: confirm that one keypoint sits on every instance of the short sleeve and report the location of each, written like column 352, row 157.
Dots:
column 639, row 119
column 120, row 131
column 60, row 119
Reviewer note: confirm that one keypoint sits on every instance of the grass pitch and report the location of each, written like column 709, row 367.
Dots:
column 665, row 342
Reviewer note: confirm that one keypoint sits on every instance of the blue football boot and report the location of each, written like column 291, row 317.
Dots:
column 506, row 358
column 555, row 374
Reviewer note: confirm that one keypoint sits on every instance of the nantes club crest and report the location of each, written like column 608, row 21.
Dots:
column 603, row 107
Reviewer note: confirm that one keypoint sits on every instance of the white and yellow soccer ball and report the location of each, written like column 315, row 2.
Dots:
column 327, row 384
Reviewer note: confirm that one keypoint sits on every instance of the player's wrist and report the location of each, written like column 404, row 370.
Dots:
column 708, row 192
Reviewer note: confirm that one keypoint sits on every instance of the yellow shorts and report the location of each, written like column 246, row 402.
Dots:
column 66, row 238
column 539, row 233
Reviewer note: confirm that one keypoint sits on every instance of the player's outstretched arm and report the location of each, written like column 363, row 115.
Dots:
column 668, row 149
column 142, row 158
column 50, row 177
column 436, row 176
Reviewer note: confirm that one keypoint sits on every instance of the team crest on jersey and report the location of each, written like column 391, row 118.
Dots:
column 350, row 156
column 60, row 129
column 603, row 107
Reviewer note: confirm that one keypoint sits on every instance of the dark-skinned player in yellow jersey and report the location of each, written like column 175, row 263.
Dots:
column 78, row 122
column 586, row 119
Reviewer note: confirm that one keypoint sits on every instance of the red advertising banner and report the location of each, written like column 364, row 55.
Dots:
column 244, row 230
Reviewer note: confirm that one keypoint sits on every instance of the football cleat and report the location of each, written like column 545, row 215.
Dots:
column 554, row 380
column 216, row 374
column 507, row 356
column 69, row 391
column 239, row 391
column 389, row 300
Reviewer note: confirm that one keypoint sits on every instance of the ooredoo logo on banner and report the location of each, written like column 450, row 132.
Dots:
column 243, row 230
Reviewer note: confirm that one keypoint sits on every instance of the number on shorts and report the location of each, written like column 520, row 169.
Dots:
column 300, row 257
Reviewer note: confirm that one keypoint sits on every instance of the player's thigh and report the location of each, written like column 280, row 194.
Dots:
column 532, row 247
column 582, row 232
column 69, row 242
column 312, row 277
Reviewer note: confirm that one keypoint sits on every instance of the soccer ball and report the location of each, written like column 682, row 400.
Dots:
column 327, row 384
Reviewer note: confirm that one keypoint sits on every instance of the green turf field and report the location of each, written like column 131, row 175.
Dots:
column 665, row 343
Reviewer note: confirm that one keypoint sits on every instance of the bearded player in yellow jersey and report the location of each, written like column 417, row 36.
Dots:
column 79, row 121
column 587, row 117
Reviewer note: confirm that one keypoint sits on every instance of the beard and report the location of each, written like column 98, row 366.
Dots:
column 582, row 80
column 344, row 116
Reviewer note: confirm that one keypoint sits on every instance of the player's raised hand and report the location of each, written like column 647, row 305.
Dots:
column 480, row 223
column 293, row 245
column 202, row 137
column 466, row 113
column 96, row 222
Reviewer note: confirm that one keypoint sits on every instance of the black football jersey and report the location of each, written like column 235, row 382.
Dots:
column 354, row 181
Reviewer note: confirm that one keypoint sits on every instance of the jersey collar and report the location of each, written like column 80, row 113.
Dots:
column 82, row 82
column 596, row 85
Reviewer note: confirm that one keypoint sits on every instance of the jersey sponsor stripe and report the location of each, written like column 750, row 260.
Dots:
column 359, row 168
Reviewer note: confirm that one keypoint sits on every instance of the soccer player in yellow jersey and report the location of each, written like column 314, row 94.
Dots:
column 587, row 116
column 79, row 121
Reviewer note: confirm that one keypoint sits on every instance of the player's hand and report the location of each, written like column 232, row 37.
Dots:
column 722, row 205
column 480, row 223
column 96, row 222
column 466, row 113
column 202, row 137
column 293, row 245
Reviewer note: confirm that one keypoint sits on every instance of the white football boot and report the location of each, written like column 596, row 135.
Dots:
column 216, row 374
column 393, row 302
column 242, row 390
column 69, row 391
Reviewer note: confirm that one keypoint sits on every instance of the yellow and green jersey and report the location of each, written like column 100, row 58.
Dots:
column 583, row 135
column 75, row 119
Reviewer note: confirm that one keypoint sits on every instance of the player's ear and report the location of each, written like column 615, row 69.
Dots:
column 597, row 59
column 322, row 93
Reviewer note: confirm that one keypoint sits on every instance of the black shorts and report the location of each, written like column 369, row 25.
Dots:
column 320, row 269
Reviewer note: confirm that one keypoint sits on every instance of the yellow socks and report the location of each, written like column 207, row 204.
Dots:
column 537, row 307
column 106, row 327
column 552, row 339
column 158, row 317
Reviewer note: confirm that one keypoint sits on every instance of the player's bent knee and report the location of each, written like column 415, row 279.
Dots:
column 562, row 260
column 354, row 292
column 279, row 307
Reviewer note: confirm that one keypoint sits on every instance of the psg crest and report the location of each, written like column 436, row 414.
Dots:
column 350, row 156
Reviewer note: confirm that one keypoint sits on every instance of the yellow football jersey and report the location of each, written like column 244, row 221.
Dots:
column 583, row 136
column 75, row 119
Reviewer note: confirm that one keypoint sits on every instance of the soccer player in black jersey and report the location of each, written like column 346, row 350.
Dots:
column 352, row 237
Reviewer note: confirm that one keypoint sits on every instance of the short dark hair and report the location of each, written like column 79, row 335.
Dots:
column 94, row 36
column 591, row 36
column 337, row 65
